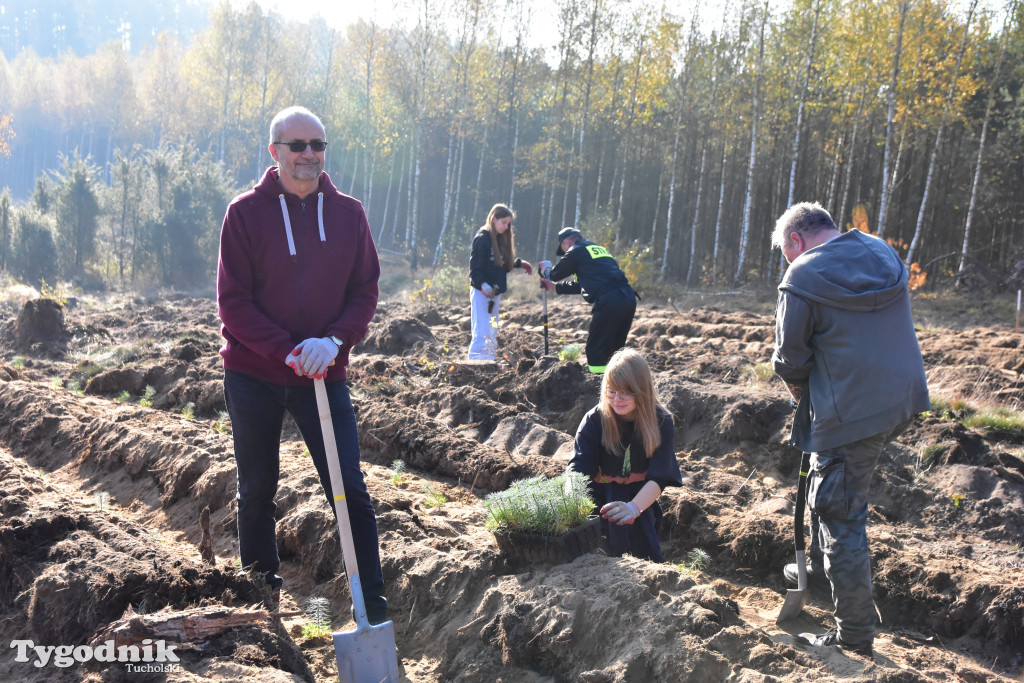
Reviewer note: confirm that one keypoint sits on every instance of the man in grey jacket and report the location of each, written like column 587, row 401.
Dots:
column 846, row 348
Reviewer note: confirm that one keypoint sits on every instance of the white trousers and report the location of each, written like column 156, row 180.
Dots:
column 484, row 343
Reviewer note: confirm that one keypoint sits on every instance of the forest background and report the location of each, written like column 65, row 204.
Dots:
column 674, row 139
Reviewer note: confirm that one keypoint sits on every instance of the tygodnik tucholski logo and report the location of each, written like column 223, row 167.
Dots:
column 149, row 656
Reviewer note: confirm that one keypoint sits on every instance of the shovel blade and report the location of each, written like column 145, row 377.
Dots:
column 367, row 654
column 793, row 606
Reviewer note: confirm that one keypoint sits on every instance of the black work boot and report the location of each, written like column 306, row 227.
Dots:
column 831, row 638
column 816, row 579
column 376, row 610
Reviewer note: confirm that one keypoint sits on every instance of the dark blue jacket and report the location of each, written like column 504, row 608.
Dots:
column 595, row 270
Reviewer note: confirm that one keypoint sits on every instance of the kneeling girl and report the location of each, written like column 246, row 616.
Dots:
column 625, row 445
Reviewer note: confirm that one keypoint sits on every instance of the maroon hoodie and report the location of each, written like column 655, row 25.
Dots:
column 291, row 269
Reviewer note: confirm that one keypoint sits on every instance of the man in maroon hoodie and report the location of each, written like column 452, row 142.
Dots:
column 296, row 289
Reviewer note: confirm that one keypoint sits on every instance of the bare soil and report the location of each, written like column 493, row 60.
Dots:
column 101, row 499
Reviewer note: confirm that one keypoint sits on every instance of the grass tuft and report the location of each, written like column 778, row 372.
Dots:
column 1000, row 421
column 759, row 372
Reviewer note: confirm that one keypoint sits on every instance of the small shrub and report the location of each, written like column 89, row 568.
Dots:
column 549, row 507
column 18, row 362
column 452, row 282
column 147, row 397
column 123, row 397
column 223, row 423
column 569, row 353
column 57, row 383
column 189, row 411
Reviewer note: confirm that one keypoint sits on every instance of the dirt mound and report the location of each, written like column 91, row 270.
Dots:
column 40, row 321
column 100, row 497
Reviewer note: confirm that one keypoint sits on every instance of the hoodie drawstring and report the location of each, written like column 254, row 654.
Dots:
column 288, row 221
column 320, row 216
column 287, row 225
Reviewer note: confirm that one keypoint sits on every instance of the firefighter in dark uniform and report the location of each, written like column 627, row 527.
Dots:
column 602, row 283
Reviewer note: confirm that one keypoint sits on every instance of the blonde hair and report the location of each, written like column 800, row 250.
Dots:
column 503, row 250
column 627, row 371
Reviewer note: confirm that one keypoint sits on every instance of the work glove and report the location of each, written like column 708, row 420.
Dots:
column 620, row 513
column 525, row 265
column 315, row 355
column 546, row 284
column 487, row 290
column 544, row 268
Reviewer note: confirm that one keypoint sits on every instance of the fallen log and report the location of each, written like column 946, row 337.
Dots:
column 189, row 629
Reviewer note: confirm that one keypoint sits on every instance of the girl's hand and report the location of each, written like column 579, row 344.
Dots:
column 620, row 512
column 525, row 265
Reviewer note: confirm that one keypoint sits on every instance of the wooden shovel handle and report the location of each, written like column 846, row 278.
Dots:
column 340, row 505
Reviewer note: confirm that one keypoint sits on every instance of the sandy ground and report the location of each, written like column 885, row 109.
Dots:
column 101, row 498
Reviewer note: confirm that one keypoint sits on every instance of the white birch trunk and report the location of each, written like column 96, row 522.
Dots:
column 447, row 199
column 671, row 195
column 718, row 214
column 752, row 165
column 387, row 197
column 964, row 251
column 919, row 228
column 883, row 202
column 696, row 211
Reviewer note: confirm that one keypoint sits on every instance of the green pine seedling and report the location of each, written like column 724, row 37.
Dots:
column 318, row 612
column 435, row 498
column 569, row 353
column 398, row 474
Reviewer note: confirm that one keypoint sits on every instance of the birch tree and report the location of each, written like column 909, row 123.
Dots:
column 976, row 181
column 883, row 202
column 748, row 199
column 953, row 82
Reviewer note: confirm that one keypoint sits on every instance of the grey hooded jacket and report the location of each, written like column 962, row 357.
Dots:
column 845, row 332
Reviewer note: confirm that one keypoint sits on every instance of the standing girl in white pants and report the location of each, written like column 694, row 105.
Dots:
column 491, row 258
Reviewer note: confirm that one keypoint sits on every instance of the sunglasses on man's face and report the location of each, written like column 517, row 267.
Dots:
column 299, row 146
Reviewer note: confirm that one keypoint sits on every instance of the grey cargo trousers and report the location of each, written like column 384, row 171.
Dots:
column 837, row 494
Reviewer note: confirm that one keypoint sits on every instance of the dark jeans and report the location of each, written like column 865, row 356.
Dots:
column 639, row 539
column 610, row 321
column 257, row 411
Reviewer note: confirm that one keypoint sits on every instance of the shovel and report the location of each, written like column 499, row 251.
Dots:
column 544, row 295
column 795, row 598
column 366, row 654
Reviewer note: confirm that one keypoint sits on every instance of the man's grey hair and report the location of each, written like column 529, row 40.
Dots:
column 284, row 115
column 806, row 218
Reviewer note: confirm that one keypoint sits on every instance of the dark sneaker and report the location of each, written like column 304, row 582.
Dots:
column 816, row 579
column 830, row 639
